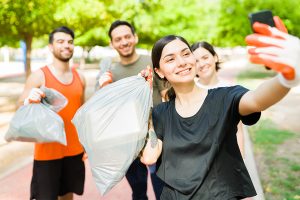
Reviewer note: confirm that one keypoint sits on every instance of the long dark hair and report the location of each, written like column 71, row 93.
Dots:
column 209, row 48
column 156, row 55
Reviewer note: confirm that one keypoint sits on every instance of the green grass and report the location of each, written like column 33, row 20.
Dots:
column 280, row 178
column 267, row 137
column 280, row 175
column 252, row 78
column 257, row 74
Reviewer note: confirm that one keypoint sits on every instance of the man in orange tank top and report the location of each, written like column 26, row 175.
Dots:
column 58, row 170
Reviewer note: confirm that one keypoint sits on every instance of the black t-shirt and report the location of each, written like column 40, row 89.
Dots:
column 200, row 156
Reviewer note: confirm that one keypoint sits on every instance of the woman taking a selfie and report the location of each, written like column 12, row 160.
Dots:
column 195, row 132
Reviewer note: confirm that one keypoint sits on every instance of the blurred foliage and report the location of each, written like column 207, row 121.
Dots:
column 221, row 22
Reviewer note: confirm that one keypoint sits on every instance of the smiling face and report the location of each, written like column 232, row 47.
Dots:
column 206, row 63
column 123, row 40
column 62, row 46
column 177, row 63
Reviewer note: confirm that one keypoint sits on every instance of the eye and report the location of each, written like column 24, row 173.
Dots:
column 128, row 36
column 205, row 57
column 186, row 53
column 117, row 39
column 169, row 60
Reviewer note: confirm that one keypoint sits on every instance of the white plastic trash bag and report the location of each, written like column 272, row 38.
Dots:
column 39, row 122
column 112, row 127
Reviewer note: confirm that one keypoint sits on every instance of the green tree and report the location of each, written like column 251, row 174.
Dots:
column 24, row 20
column 232, row 24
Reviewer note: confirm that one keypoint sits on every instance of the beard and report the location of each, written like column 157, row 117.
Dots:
column 126, row 54
column 62, row 57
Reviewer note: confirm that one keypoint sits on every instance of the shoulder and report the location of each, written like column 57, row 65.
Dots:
column 36, row 78
column 145, row 59
column 81, row 76
column 229, row 89
column 227, row 94
column 162, row 108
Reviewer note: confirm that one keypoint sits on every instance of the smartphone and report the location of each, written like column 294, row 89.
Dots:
column 265, row 17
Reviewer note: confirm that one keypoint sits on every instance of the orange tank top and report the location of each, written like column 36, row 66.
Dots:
column 73, row 92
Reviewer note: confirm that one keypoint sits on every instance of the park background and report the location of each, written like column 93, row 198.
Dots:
column 224, row 23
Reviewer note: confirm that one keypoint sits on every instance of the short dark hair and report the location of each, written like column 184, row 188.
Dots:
column 117, row 23
column 63, row 29
column 209, row 48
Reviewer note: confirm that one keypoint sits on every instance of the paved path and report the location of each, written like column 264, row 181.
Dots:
column 16, row 186
column 16, row 157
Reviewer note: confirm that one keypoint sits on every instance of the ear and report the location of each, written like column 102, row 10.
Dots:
column 158, row 72
column 111, row 45
column 50, row 46
column 136, row 38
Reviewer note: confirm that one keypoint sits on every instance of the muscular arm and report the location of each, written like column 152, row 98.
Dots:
column 267, row 94
column 35, row 80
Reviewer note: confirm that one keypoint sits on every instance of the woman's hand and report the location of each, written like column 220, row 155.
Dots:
column 277, row 50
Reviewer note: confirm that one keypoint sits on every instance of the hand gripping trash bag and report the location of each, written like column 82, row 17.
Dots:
column 112, row 127
column 39, row 122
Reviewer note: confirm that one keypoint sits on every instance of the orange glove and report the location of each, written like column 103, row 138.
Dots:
column 147, row 74
column 272, row 48
column 34, row 96
column 105, row 79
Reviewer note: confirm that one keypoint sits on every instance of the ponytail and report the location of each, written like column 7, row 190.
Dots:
column 170, row 94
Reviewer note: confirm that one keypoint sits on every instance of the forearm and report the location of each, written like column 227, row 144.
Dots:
column 152, row 149
column 266, row 95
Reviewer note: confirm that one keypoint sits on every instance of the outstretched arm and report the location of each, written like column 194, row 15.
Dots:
column 267, row 94
column 279, row 51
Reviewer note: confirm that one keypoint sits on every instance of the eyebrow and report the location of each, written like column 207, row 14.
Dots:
column 57, row 39
column 172, row 53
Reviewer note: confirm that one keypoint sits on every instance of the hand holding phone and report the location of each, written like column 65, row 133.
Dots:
column 264, row 17
column 261, row 23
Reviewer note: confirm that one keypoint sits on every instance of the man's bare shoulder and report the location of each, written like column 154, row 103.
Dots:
column 37, row 78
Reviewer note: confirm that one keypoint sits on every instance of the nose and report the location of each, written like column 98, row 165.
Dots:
column 200, row 63
column 124, row 42
column 66, row 44
column 181, row 61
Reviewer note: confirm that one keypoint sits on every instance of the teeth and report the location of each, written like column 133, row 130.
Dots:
column 184, row 71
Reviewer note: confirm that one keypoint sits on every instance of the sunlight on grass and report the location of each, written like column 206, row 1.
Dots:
column 281, row 180
column 267, row 136
column 252, row 77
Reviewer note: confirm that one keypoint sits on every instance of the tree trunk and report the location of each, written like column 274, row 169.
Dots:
column 82, row 58
column 28, row 41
